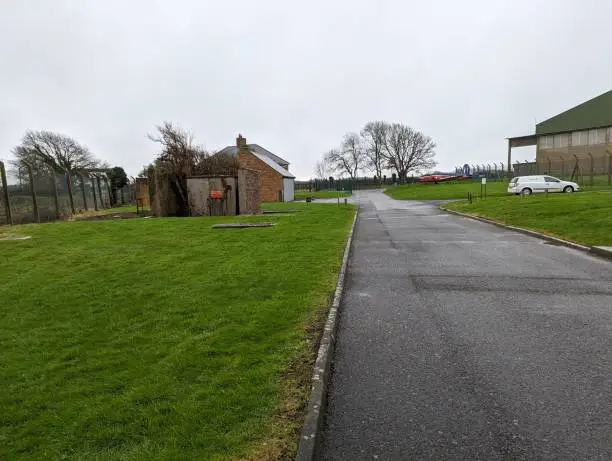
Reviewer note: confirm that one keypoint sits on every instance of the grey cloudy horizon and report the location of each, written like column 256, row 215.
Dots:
column 295, row 77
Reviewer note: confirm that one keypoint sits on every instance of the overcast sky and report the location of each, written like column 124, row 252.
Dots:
column 295, row 76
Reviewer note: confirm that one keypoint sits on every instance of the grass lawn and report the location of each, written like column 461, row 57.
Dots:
column 445, row 190
column 163, row 339
column 584, row 217
column 460, row 189
column 302, row 194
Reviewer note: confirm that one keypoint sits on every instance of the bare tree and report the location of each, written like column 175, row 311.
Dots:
column 406, row 150
column 29, row 157
column 56, row 150
column 374, row 135
column 322, row 168
column 336, row 161
column 350, row 159
column 178, row 156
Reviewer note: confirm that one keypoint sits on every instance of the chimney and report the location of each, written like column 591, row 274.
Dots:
column 243, row 151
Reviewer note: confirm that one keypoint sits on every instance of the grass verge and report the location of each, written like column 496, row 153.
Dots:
column 459, row 189
column 164, row 338
column 302, row 194
column 582, row 217
column 445, row 190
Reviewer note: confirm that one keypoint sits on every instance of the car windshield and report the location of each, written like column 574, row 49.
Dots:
column 514, row 180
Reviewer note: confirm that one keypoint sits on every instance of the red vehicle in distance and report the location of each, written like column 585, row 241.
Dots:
column 438, row 177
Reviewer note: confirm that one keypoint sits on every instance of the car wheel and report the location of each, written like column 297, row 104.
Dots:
column 526, row 191
column 568, row 189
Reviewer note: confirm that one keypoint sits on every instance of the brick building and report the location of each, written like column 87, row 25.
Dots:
column 276, row 184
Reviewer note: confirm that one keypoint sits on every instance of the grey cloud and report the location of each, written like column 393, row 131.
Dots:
column 294, row 77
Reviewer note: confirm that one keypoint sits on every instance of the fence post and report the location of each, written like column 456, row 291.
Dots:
column 34, row 198
column 109, row 191
column 55, row 193
column 7, row 205
column 70, row 198
column 576, row 172
column 102, row 204
column 609, row 168
column 562, row 167
column 83, row 192
column 591, row 168
column 93, row 189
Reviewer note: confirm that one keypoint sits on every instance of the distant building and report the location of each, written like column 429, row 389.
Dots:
column 577, row 142
column 275, row 182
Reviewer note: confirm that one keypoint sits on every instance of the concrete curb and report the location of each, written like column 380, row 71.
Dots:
column 602, row 252
column 310, row 437
column 575, row 246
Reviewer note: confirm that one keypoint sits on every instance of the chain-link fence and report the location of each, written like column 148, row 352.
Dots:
column 586, row 169
column 348, row 184
column 5, row 217
column 495, row 171
column 20, row 197
column 38, row 192
column 126, row 195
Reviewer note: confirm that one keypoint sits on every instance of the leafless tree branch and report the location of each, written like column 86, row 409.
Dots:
column 373, row 135
column 406, row 150
column 180, row 157
column 323, row 168
column 350, row 159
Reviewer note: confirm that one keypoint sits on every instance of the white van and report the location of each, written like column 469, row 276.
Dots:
column 528, row 185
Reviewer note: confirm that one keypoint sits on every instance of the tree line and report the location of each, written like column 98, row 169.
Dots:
column 44, row 150
column 378, row 147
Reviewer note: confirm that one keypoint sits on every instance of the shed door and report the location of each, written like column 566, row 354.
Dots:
column 288, row 189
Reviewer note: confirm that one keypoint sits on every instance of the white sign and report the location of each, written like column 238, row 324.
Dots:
column 483, row 180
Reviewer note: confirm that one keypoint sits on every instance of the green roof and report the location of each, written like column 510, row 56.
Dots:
column 595, row 113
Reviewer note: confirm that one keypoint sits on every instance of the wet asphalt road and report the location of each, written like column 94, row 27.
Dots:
column 459, row 340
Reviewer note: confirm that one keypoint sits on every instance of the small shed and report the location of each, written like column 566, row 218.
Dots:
column 288, row 189
column 142, row 191
column 224, row 195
